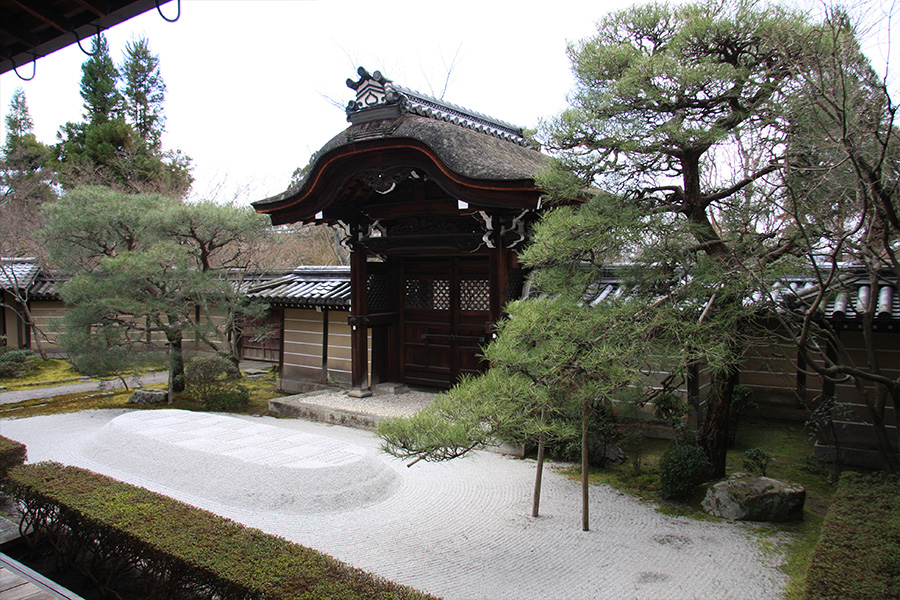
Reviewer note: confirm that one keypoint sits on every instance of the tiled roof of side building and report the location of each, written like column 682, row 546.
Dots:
column 46, row 286
column 18, row 273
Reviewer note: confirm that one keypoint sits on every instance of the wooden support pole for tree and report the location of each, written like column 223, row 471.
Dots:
column 536, row 505
column 585, row 459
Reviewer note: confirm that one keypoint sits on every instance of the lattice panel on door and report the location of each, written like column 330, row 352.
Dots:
column 431, row 294
column 417, row 293
column 378, row 293
column 440, row 289
column 474, row 294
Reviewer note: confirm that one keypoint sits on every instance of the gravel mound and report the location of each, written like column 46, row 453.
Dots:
column 243, row 464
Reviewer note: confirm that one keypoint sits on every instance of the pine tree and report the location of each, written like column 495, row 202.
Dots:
column 673, row 115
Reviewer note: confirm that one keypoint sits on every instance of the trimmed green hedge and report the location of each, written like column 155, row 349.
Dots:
column 12, row 454
column 858, row 555
column 181, row 550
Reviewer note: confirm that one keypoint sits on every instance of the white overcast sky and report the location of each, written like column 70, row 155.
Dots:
column 252, row 84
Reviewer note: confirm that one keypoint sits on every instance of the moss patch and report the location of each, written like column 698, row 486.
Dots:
column 858, row 555
column 43, row 372
column 261, row 391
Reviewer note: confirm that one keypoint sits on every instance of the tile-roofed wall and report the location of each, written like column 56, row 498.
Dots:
column 846, row 306
column 327, row 287
column 850, row 305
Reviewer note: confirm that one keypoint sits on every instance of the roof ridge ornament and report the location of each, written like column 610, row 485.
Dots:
column 372, row 89
column 379, row 98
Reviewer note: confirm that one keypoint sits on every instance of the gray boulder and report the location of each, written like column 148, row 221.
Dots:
column 149, row 397
column 744, row 497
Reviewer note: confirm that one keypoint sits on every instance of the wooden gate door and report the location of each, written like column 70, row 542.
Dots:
column 261, row 338
column 445, row 318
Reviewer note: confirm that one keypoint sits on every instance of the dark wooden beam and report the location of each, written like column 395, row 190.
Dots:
column 94, row 8
column 359, row 331
column 449, row 243
column 324, row 345
column 26, row 38
column 44, row 13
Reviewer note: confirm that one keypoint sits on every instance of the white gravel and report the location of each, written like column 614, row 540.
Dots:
column 460, row 530
column 245, row 464
column 381, row 404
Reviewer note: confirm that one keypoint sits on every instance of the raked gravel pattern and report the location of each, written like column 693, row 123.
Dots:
column 461, row 530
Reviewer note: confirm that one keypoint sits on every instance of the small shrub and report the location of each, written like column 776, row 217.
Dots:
column 670, row 408
column 681, row 468
column 227, row 399
column 12, row 454
column 15, row 363
column 213, row 381
column 756, row 461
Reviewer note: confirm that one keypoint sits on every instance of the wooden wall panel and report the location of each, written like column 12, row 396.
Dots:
column 48, row 316
column 303, row 329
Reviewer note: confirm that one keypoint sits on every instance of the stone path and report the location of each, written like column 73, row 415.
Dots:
column 460, row 530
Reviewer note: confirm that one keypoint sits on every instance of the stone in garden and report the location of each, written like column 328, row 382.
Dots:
column 149, row 397
column 744, row 497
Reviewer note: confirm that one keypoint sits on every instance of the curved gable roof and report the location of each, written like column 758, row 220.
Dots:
column 471, row 156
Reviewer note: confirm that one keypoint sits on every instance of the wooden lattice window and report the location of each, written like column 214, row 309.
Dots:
column 474, row 294
column 429, row 294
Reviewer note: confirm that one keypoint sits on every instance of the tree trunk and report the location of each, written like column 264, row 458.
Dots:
column 174, row 336
column 882, row 439
column 536, row 504
column 714, row 434
column 36, row 336
column 35, row 330
column 170, row 397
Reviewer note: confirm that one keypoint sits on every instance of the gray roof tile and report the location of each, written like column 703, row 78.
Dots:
column 327, row 287
column 18, row 273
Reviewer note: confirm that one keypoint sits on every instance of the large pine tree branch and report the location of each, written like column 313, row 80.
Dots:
column 738, row 186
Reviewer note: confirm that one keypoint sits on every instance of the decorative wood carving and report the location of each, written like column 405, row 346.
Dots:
column 385, row 181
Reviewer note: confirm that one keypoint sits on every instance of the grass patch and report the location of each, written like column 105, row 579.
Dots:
column 792, row 451
column 189, row 547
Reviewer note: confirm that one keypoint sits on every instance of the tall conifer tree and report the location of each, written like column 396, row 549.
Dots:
column 144, row 91
column 102, row 100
